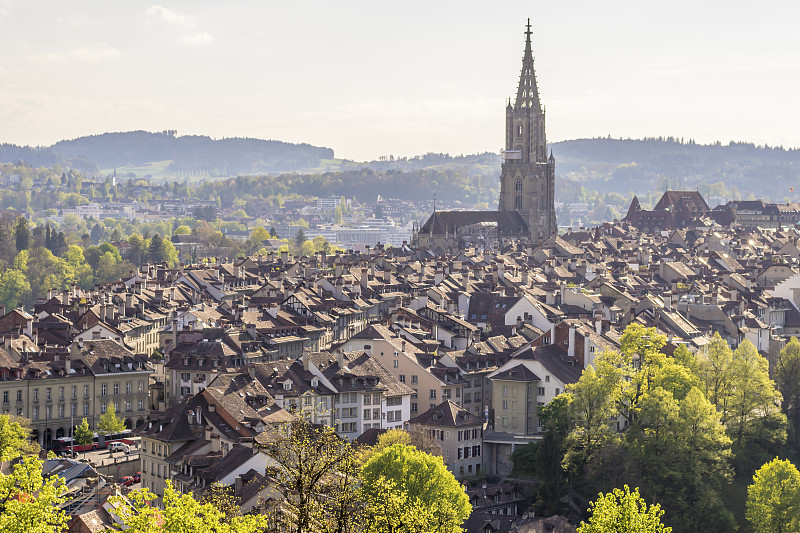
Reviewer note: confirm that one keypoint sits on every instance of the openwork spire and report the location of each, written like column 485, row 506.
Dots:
column 528, row 92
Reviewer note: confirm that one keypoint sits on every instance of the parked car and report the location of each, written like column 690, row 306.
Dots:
column 137, row 477
column 119, row 447
column 126, row 481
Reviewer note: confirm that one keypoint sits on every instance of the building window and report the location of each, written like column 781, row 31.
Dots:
column 395, row 363
column 36, row 413
column 141, row 405
column 402, row 378
column 5, row 396
column 103, row 390
column 73, row 410
column 74, row 392
column 103, row 408
column 433, row 394
column 85, row 409
column 541, row 391
column 414, row 407
column 547, row 379
column 86, row 391
column 19, row 395
column 61, row 393
column 128, row 406
column 47, row 394
column 116, row 389
column 35, row 395
column 413, row 380
column 128, row 388
column 61, row 410
column 141, row 386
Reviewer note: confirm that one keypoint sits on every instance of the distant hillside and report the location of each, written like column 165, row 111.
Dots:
column 732, row 170
column 184, row 155
column 43, row 157
column 194, row 153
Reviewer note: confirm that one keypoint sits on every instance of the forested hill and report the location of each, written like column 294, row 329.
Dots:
column 188, row 154
column 196, row 153
column 734, row 169
column 602, row 166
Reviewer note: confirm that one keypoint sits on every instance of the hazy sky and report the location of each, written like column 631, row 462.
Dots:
column 403, row 78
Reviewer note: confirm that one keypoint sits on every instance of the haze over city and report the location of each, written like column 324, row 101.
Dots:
column 369, row 80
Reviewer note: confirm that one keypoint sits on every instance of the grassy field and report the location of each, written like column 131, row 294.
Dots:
column 156, row 169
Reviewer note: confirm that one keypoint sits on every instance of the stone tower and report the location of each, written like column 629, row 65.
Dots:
column 527, row 180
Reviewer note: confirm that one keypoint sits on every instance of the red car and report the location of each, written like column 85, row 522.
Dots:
column 126, row 481
column 137, row 477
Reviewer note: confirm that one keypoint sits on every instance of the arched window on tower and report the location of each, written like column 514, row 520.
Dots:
column 518, row 195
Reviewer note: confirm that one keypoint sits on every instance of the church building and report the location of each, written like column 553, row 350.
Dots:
column 526, row 210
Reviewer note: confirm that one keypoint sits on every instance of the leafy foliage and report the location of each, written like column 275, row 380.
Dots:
column 623, row 511
column 110, row 423
column 773, row 500
column 413, row 491
column 28, row 502
column 182, row 513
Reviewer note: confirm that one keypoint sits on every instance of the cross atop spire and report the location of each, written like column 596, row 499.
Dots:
column 528, row 91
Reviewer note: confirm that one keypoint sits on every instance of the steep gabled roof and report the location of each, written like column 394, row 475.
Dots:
column 447, row 414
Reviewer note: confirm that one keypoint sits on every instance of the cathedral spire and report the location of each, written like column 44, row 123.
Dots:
column 528, row 91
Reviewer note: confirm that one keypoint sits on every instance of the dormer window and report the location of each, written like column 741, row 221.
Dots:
column 287, row 385
column 315, row 382
column 186, row 361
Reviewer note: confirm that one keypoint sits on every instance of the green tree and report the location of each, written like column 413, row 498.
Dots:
column 259, row 235
column 421, row 481
column 773, row 500
column 109, row 422
column 716, row 371
column 154, row 252
column 317, row 477
column 83, row 434
column 14, row 288
column 15, row 438
column 181, row 514
column 168, row 252
column 22, row 234
column 787, row 379
column 593, row 403
column 755, row 419
column 623, row 511
column 182, row 230
column 299, row 238
column 418, row 439
column 28, row 502
column 140, row 246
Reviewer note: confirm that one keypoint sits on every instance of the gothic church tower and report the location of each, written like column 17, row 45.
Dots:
column 527, row 180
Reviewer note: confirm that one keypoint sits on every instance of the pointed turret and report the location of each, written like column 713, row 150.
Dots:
column 528, row 91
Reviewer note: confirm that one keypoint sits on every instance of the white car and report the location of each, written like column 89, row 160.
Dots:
column 119, row 447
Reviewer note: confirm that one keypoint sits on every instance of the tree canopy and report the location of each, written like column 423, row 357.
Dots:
column 623, row 511
column 773, row 500
column 403, row 478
